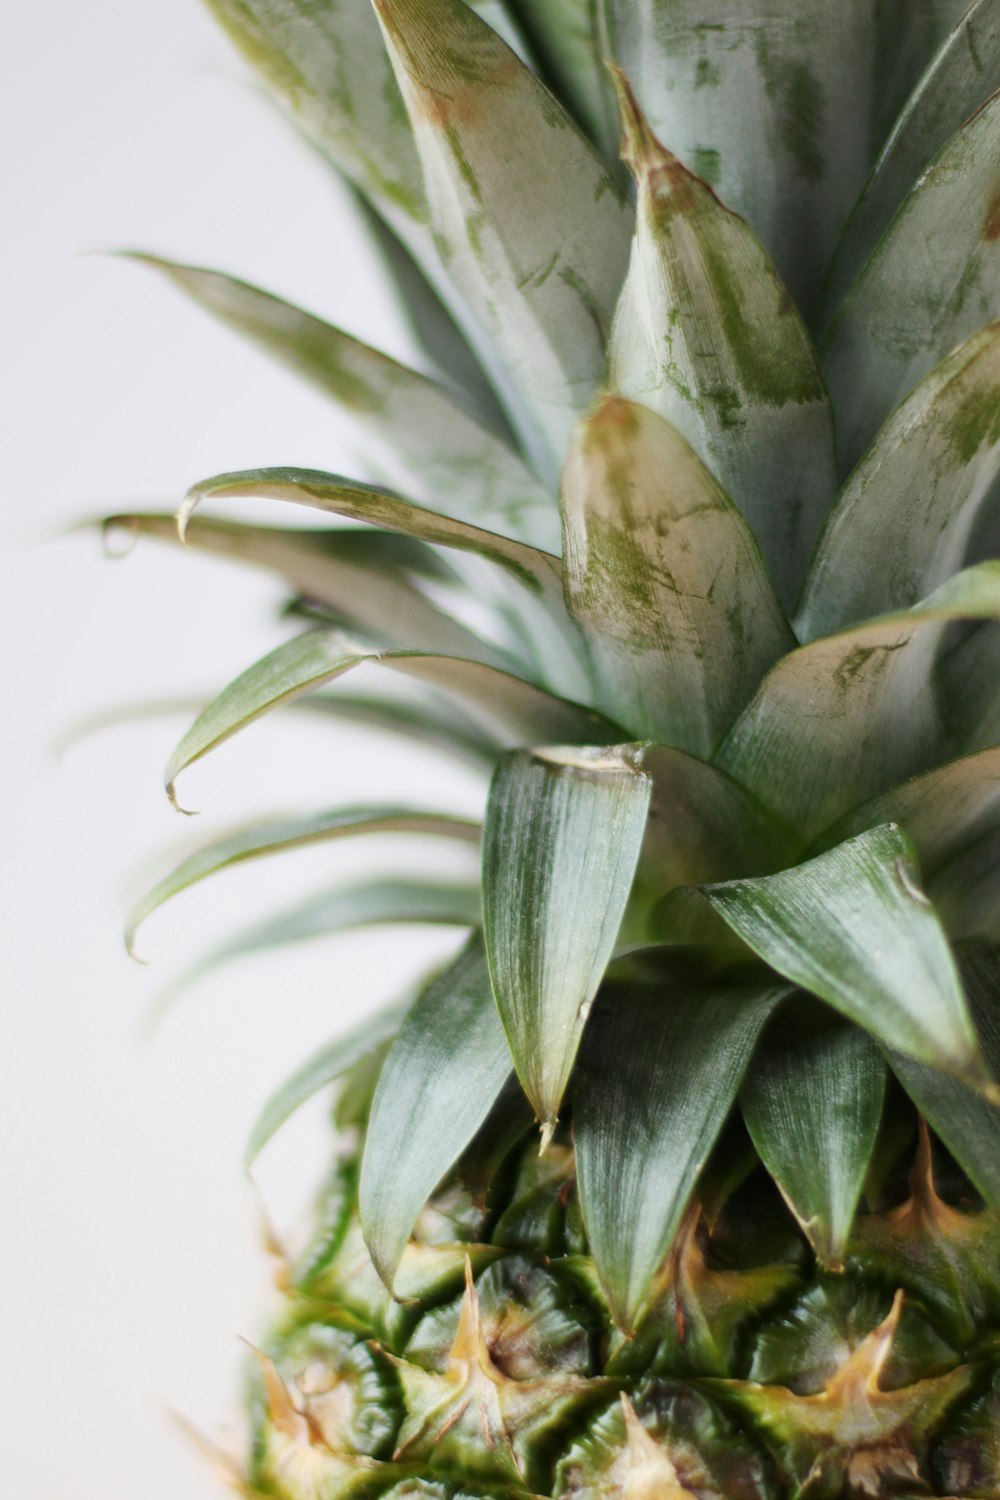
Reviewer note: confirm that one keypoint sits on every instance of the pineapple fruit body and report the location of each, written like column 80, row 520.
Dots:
column 688, row 542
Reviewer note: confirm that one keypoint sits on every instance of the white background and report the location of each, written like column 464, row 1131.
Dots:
column 130, row 1254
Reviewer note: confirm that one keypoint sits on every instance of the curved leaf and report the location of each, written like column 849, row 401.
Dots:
column 532, row 229
column 941, row 811
column 446, row 1068
column 902, row 524
column 933, row 280
column 293, row 833
column 773, row 108
column 850, row 715
column 324, row 1067
column 529, row 583
column 963, row 74
column 561, row 842
column 854, row 927
column 345, row 907
column 812, row 1103
column 369, row 586
column 657, row 1078
column 967, row 680
column 706, row 335
column 968, row 1124
column 664, row 579
column 966, row 890
column 436, row 449
column 308, row 661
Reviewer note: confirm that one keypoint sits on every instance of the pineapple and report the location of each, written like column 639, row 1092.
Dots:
column 683, row 1177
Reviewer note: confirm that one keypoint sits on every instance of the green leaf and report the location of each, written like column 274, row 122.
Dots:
column 959, row 78
column 658, row 1075
column 561, row 842
column 904, row 519
column 968, row 1124
column 966, row 890
column 812, row 1103
column 849, row 715
column 434, row 447
column 331, row 1062
column 307, row 662
column 292, row 833
column 664, row 579
column 565, row 37
column 932, row 281
column 370, row 586
column 941, row 811
column 704, row 826
column 530, row 581
column 706, row 334
column 345, row 907
column 446, row 1068
column 529, row 224
column 854, row 927
column 773, row 108
column 967, row 678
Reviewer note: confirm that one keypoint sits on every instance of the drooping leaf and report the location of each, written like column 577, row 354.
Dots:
column 854, row 927
column 371, row 587
column 658, row 1075
column 444, row 1072
column 706, row 334
column 850, row 715
column 331, row 1062
column 664, row 579
column 531, row 227
column 932, row 281
column 812, row 1103
column 774, row 110
column 530, row 581
column 345, row 907
column 968, row 1124
column 293, row 833
column 561, row 841
column 941, row 811
column 309, row 661
column 566, row 38
column 959, row 78
column 425, row 440
column 903, row 521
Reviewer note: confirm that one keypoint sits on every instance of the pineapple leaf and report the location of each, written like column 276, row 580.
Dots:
column 293, row 833
column 933, row 279
column 566, row 38
column 968, row 1124
column 345, row 907
column 561, row 842
column 967, row 680
column 941, row 811
column 435, row 448
column 902, row 524
column 966, row 889
column 664, row 579
column 369, row 587
column 854, row 927
column 445, row 1070
column 331, row 1062
column 308, row 661
column 532, row 229
column 849, row 715
column 705, row 334
column 772, row 108
column 657, row 1078
column 812, row 1103
column 957, row 81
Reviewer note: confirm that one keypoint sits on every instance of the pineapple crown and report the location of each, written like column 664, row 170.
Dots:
column 709, row 446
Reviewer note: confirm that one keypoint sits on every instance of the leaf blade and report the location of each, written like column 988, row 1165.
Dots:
column 556, row 816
